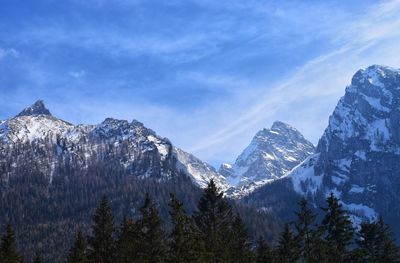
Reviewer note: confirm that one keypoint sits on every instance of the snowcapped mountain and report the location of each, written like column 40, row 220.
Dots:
column 133, row 148
column 358, row 156
column 271, row 154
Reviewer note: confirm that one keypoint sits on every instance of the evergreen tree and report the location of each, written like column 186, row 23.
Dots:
column 389, row 251
column 239, row 242
column 376, row 243
column 128, row 243
column 337, row 229
column 102, row 243
column 213, row 219
column 319, row 248
column 37, row 258
column 305, row 232
column 78, row 251
column 184, row 244
column 8, row 251
column 263, row 252
column 153, row 245
column 287, row 249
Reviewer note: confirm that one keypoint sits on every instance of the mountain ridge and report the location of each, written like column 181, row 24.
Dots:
column 271, row 154
column 36, row 123
column 357, row 158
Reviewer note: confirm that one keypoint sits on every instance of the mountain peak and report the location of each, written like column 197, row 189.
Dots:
column 270, row 155
column 279, row 125
column 38, row 108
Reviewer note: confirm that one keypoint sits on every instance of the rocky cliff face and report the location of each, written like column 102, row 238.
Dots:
column 358, row 156
column 271, row 154
column 52, row 144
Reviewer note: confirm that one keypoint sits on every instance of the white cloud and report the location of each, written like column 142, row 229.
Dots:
column 77, row 73
column 306, row 97
column 8, row 52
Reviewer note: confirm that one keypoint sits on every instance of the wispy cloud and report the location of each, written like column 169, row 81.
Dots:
column 207, row 74
column 77, row 73
column 307, row 96
column 8, row 52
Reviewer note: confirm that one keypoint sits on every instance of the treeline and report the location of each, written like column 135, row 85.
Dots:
column 214, row 233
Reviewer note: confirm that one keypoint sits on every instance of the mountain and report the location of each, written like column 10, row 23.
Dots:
column 140, row 150
column 358, row 155
column 271, row 154
column 53, row 173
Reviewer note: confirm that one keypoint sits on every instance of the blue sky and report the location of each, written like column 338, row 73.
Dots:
column 207, row 74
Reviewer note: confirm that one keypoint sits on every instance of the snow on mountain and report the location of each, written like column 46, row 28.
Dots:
column 28, row 128
column 38, row 108
column 271, row 154
column 199, row 170
column 358, row 156
column 137, row 149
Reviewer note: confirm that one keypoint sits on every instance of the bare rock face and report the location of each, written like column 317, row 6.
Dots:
column 37, row 108
column 51, row 144
column 358, row 156
column 271, row 154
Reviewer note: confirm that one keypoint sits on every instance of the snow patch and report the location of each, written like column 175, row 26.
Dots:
column 303, row 177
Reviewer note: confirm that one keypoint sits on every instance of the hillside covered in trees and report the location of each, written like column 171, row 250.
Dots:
column 215, row 233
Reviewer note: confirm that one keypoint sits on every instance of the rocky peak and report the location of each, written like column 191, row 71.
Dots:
column 284, row 128
column 367, row 115
column 114, row 128
column 358, row 155
column 38, row 108
column 270, row 155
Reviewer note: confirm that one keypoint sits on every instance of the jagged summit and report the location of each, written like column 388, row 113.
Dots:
column 133, row 148
column 38, row 108
column 279, row 125
column 358, row 155
column 270, row 155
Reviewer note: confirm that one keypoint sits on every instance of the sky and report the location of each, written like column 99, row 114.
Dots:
column 206, row 74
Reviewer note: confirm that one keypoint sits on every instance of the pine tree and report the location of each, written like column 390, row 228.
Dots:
column 184, row 244
column 239, row 242
column 319, row 248
column 213, row 219
column 389, row 251
column 128, row 243
column 287, row 249
column 305, row 232
column 263, row 252
column 37, row 258
column 8, row 251
column 153, row 244
column 102, row 243
column 337, row 229
column 376, row 243
column 78, row 251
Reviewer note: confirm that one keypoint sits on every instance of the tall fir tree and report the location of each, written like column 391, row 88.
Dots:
column 213, row 219
column 184, row 243
column 287, row 250
column 8, row 250
column 389, row 251
column 78, row 251
column 319, row 248
column 239, row 242
column 337, row 229
column 37, row 258
column 128, row 243
column 264, row 253
column 304, row 225
column 376, row 243
column 102, row 242
column 153, row 244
